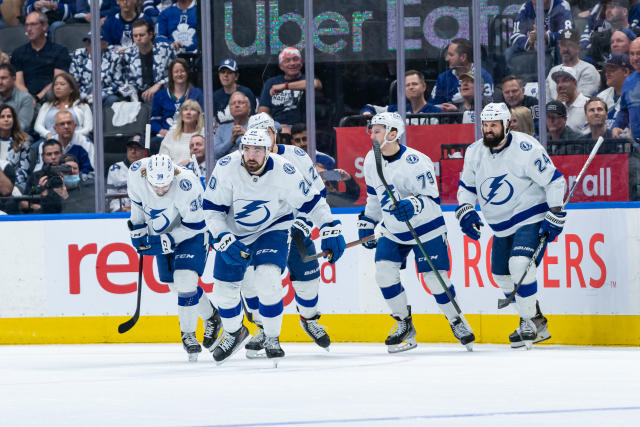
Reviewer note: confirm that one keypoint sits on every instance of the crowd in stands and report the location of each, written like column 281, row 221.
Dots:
column 150, row 48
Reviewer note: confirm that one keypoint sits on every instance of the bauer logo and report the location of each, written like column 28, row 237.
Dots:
column 224, row 161
column 288, row 168
column 412, row 159
column 135, row 166
column 185, row 184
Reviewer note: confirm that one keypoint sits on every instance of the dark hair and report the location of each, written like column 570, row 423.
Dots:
column 415, row 73
column 185, row 65
column 49, row 142
column 464, row 47
column 512, row 77
column 69, row 158
column 143, row 23
column 19, row 137
column 594, row 99
column 73, row 84
column 10, row 68
column 298, row 128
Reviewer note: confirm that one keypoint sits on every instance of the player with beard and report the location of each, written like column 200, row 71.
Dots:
column 520, row 193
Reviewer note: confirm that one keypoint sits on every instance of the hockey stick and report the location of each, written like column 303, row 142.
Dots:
column 504, row 302
column 298, row 240
column 377, row 153
column 131, row 322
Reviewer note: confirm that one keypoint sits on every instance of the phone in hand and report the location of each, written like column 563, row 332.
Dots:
column 331, row 175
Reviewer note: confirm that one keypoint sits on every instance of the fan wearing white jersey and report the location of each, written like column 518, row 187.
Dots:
column 305, row 277
column 411, row 177
column 249, row 204
column 520, row 194
column 167, row 221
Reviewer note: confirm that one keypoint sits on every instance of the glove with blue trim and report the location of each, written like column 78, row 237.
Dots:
column 232, row 251
column 161, row 244
column 303, row 226
column 407, row 208
column 552, row 225
column 366, row 228
column 469, row 220
column 139, row 234
column 332, row 239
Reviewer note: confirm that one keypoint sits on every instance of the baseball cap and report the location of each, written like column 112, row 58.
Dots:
column 469, row 74
column 569, row 34
column 621, row 3
column 618, row 60
column 88, row 37
column 629, row 33
column 557, row 107
column 566, row 71
column 136, row 140
column 230, row 64
column 288, row 52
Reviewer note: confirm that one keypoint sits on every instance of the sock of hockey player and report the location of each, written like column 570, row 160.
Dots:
column 270, row 296
column 227, row 296
column 188, row 318
column 307, row 303
column 250, row 294
column 526, row 298
column 388, row 279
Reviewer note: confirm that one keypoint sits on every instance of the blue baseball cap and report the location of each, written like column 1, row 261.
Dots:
column 619, row 60
column 230, row 64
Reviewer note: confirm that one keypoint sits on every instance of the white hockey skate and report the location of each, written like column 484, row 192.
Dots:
column 462, row 333
column 191, row 345
column 255, row 345
column 402, row 336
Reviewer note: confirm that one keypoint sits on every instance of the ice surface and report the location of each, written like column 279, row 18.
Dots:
column 353, row 385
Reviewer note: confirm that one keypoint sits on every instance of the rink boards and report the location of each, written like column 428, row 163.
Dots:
column 72, row 279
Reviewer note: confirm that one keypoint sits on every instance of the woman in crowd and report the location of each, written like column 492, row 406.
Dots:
column 66, row 96
column 14, row 144
column 522, row 120
column 190, row 121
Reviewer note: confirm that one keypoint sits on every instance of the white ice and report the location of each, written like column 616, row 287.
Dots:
column 353, row 385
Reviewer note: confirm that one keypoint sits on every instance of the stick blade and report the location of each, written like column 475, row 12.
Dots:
column 128, row 324
column 502, row 303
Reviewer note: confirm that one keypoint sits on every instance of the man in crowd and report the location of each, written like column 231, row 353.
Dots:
column 616, row 69
column 228, row 134
column 567, row 87
column 20, row 100
column 118, row 28
column 595, row 111
column 629, row 114
column 228, row 74
column 197, row 149
column 178, row 23
column 557, row 123
column 7, row 182
column 119, row 172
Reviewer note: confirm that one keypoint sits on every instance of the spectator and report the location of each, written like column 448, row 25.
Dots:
column 567, row 87
column 522, row 121
column 616, row 19
column 56, row 11
column 145, row 65
column 616, row 70
column 634, row 14
column 20, row 100
column 446, row 92
column 38, row 61
column 72, row 142
column 228, row 134
column 629, row 114
column 119, row 172
column 331, row 179
column 281, row 96
column 466, row 104
column 118, row 28
column 557, row 17
column 176, row 143
column 178, row 23
column 4, row 58
column 81, row 66
column 621, row 40
column 557, row 123
column 228, row 75
column 595, row 23
column 299, row 139
column 595, row 111
column 513, row 94
column 197, row 150
column 167, row 102
column 38, row 181
column 586, row 74
column 7, row 181
column 14, row 145
column 65, row 97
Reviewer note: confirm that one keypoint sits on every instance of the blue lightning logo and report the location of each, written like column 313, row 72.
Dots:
column 155, row 214
column 253, row 209
column 386, row 199
column 496, row 184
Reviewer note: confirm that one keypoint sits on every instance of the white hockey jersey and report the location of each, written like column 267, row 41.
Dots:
column 178, row 213
column 301, row 160
column 409, row 173
column 248, row 205
column 514, row 186
column 117, row 183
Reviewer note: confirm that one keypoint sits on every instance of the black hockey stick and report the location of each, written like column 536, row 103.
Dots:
column 504, row 302
column 131, row 322
column 298, row 240
column 377, row 153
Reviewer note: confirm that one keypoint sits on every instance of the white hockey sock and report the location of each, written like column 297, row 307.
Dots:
column 388, row 279
column 270, row 295
column 250, row 294
column 187, row 311
column 205, row 309
column 307, row 297
column 526, row 296
column 227, row 295
column 441, row 297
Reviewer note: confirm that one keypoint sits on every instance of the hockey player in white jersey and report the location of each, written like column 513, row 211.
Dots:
column 167, row 221
column 305, row 277
column 249, row 204
column 410, row 175
column 520, row 193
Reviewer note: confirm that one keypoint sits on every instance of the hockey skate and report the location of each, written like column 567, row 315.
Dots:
column 229, row 344
column 543, row 334
column 212, row 327
column 255, row 345
column 402, row 336
column 273, row 350
column 315, row 331
column 191, row 345
column 462, row 333
column 526, row 332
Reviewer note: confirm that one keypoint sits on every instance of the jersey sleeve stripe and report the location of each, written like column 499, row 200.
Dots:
column 210, row 206
column 323, row 193
column 519, row 217
column 371, row 190
column 194, row 225
column 466, row 187
column 556, row 174
column 435, row 199
column 421, row 229
column 308, row 206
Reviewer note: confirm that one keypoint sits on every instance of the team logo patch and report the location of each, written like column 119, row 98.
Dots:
column 288, row 168
column 224, row 161
column 496, row 190
column 299, row 151
column 185, row 184
column 114, row 167
column 135, row 166
column 412, row 159
column 526, row 146
column 251, row 213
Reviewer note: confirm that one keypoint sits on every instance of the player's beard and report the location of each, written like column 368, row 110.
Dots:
column 252, row 166
column 491, row 140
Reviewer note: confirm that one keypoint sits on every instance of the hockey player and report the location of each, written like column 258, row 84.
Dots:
column 248, row 204
column 304, row 276
column 167, row 221
column 411, row 176
column 520, row 193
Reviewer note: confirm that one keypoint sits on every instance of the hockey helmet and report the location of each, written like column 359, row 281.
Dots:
column 389, row 121
column 160, row 170
column 261, row 121
column 496, row 111
column 256, row 138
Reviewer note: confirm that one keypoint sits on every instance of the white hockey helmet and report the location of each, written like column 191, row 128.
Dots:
column 261, row 121
column 160, row 170
column 256, row 138
column 496, row 111
column 389, row 121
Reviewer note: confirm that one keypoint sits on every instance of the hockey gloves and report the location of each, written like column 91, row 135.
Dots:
column 366, row 227
column 332, row 239
column 232, row 251
column 139, row 236
column 303, row 226
column 162, row 244
column 469, row 220
column 405, row 209
column 552, row 225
